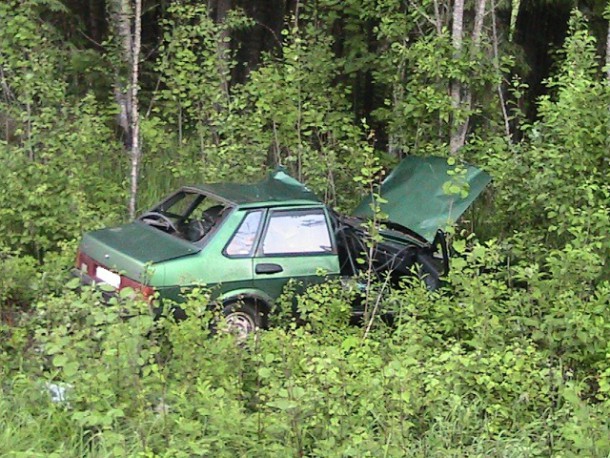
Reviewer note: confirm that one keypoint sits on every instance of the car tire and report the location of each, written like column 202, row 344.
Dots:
column 242, row 319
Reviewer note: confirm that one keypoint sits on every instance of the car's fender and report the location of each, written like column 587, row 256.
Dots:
column 265, row 300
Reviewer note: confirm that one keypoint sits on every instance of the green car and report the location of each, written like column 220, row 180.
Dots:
column 245, row 242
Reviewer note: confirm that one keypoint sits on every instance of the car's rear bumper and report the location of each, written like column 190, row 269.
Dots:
column 87, row 280
column 111, row 297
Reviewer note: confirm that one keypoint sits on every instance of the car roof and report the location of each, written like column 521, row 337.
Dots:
column 278, row 187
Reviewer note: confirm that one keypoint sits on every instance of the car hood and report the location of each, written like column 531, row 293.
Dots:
column 426, row 194
column 134, row 246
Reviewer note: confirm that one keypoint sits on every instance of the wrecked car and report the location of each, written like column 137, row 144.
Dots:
column 246, row 241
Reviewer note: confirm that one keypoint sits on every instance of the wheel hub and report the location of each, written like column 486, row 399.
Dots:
column 240, row 324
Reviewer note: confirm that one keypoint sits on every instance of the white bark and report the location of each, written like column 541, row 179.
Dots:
column 461, row 95
column 479, row 15
column 499, row 72
column 126, row 18
column 438, row 20
column 457, row 33
column 121, row 13
column 135, row 113
column 457, row 25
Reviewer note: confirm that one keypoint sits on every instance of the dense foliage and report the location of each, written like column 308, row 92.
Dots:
column 511, row 358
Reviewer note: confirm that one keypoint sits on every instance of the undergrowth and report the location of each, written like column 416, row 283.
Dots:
column 475, row 369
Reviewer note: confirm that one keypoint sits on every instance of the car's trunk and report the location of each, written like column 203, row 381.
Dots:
column 133, row 249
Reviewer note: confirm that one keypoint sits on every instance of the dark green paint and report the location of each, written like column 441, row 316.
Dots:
column 278, row 187
column 417, row 197
column 140, row 242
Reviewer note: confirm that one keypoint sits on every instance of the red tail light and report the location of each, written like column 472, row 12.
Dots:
column 88, row 265
column 147, row 291
column 84, row 263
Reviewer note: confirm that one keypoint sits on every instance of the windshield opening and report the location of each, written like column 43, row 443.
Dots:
column 187, row 215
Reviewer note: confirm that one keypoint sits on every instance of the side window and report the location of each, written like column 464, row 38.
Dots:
column 242, row 242
column 295, row 232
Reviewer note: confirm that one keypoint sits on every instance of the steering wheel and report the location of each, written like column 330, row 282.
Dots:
column 159, row 219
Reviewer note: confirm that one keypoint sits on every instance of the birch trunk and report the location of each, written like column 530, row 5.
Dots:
column 135, row 112
column 499, row 72
column 126, row 20
column 477, row 29
column 457, row 33
column 120, row 16
column 461, row 94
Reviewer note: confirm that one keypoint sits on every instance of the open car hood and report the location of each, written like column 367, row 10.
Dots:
column 425, row 194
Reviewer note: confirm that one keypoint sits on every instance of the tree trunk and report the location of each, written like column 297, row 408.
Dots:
column 499, row 71
column 461, row 94
column 438, row 20
column 126, row 19
column 457, row 32
column 135, row 113
column 120, row 16
column 479, row 15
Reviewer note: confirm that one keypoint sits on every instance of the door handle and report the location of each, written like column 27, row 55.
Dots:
column 268, row 268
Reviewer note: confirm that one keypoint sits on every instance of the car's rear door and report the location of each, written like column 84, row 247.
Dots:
column 296, row 243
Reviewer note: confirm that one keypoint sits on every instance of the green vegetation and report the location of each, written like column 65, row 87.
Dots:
column 511, row 358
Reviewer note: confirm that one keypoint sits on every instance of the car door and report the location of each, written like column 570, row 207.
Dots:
column 224, row 263
column 296, row 243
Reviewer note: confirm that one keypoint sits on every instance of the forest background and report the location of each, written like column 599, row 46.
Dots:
column 105, row 106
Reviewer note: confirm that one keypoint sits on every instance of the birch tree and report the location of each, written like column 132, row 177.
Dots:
column 461, row 93
column 457, row 32
column 125, row 16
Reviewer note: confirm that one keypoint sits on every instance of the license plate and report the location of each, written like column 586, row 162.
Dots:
column 108, row 277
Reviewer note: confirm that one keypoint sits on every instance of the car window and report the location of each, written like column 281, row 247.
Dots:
column 242, row 242
column 181, row 204
column 293, row 232
column 187, row 215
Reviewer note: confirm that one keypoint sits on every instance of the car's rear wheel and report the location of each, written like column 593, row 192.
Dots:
column 242, row 319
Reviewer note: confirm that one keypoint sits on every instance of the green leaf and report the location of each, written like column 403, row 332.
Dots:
column 264, row 372
column 60, row 360
column 71, row 368
column 283, row 404
column 74, row 283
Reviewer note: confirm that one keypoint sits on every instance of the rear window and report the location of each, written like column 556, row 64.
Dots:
column 187, row 215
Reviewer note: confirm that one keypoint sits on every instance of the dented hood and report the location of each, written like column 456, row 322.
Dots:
column 425, row 194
